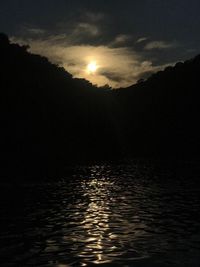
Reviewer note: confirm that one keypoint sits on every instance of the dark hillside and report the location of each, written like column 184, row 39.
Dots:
column 50, row 120
column 163, row 112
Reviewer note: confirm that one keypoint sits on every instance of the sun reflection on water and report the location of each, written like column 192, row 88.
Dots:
column 104, row 225
column 96, row 221
column 105, row 215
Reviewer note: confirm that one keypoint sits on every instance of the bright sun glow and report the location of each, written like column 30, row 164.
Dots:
column 92, row 67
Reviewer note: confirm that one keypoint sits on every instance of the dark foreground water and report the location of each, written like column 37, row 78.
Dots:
column 138, row 214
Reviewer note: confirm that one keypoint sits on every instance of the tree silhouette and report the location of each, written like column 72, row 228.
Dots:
column 50, row 120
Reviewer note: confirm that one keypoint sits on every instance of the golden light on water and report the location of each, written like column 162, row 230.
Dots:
column 104, row 226
column 95, row 223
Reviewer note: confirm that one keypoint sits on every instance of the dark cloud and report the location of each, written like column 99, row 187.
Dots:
column 159, row 45
column 131, row 32
column 141, row 40
column 113, row 76
column 122, row 40
column 144, row 75
column 157, row 19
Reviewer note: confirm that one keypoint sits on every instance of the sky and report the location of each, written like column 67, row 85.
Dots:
column 126, row 40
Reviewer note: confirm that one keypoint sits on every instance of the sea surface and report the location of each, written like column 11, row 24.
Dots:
column 140, row 214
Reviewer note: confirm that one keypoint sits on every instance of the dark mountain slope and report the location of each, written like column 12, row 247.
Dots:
column 163, row 112
column 50, row 120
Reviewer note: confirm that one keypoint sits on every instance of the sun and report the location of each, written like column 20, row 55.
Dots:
column 92, row 67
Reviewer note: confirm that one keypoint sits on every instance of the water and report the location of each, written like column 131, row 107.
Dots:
column 138, row 214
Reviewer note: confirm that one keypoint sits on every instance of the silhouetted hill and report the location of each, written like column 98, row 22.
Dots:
column 50, row 120
column 163, row 112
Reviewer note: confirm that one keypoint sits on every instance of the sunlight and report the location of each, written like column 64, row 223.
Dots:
column 92, row 67
column 96, row 220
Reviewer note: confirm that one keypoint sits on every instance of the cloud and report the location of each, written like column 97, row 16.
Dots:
column 117, row 66
column 86, row 28
column 121, row 40
column 141, row 40
column 94, row 17
column 159, row 45
column 36, row 31
column 89, row 24
column 27, row 30
column 114, row 76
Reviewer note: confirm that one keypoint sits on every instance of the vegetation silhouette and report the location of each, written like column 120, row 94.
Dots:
column 50, row 120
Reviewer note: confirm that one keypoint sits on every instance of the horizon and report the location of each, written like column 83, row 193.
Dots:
column 91, row 68
column 124, row 39
column 100, row 141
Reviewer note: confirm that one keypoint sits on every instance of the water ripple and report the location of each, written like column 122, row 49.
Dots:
column 125, row 215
